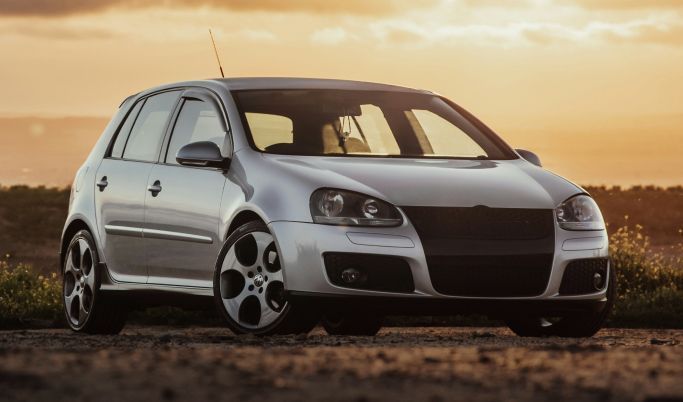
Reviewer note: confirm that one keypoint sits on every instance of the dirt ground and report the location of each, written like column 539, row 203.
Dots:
column 400, row 364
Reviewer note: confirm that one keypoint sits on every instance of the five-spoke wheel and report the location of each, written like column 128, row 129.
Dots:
column 79, row 282
column 251, row 281
column 85, row 309
column 249, row 285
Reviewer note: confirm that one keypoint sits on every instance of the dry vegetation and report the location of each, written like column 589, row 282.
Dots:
column 31, row 221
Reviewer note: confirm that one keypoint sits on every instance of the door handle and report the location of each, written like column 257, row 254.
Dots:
column 102, row 183
column 155, row 188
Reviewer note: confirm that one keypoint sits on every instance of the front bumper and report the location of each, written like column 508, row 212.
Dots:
column 433, row 306
column 301, row 246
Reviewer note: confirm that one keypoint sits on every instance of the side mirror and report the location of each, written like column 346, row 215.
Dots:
column 202, row 153
column 529, row 156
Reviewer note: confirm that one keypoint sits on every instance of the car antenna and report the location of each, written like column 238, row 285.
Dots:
column 216, row 51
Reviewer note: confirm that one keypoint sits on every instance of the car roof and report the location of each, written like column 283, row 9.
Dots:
column 277, row 83
column 254, row 83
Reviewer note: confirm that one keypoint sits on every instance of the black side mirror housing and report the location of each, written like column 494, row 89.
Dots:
column 529, row 156
column 202, row 154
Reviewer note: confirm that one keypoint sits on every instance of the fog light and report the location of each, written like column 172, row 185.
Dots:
column 598, row 281
column 351, row 275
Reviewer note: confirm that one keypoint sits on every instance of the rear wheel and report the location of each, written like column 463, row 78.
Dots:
column 249, row 287
column 352, row 323
column 86, row 309
column 573, row 326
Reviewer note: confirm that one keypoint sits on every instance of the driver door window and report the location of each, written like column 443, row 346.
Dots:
column 197, row 121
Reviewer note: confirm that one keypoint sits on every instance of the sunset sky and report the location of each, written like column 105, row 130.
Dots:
column 594, row 86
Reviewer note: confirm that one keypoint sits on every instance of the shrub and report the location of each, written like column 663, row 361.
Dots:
column 649, row 284
column 27, row 296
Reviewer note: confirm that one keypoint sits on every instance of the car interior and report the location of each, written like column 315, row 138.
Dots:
column 321, row 135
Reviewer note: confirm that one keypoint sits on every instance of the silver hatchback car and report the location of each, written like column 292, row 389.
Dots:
column 288, row 202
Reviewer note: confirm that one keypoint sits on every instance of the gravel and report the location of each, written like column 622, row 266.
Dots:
column 400, row 364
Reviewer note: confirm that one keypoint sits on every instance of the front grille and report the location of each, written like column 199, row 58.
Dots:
column 377, row 272
column 483, row 230
column 481, row 222
column 486, row 252
column 579, row 276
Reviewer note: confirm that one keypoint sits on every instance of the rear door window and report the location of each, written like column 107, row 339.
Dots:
column 147, row 134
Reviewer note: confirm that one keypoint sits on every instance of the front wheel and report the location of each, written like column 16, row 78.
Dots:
column 573, row 326
column 249, row 286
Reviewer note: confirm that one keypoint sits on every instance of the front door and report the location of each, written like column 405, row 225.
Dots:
column 182, row 214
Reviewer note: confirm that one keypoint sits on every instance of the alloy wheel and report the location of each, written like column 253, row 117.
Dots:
column 79, row 282
column 251, row 282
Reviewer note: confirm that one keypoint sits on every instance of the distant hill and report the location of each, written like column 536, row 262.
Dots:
column 36, row 150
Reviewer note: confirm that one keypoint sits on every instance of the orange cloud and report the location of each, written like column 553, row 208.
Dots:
column 627, row 4
column 661, row 31
column 55, row 31
column 61, row 8
column 665, row 35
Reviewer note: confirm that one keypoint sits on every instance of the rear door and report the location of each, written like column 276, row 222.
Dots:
column 122, row 183
column 182, row 212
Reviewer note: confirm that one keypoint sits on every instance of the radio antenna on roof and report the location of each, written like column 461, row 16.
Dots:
column 216, row 51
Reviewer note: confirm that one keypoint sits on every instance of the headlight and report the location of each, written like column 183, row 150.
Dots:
column 580, row 213
column 339, row 207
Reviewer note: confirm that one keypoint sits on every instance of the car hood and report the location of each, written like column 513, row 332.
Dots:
column 435, row 182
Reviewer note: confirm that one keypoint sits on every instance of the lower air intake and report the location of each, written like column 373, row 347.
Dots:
column 584, row 276
column 369, row 271
column 490, row 276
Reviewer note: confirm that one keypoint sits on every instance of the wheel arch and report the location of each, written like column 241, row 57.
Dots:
column 76, row 225
column 242, row 217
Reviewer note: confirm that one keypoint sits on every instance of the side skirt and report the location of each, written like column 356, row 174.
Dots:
column 143, row 295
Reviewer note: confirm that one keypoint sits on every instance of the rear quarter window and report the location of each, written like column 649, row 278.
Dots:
column 124, row 131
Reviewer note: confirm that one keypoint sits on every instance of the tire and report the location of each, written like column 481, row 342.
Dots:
column 574, row 326
column 355, row 324
column 249, row 288
column 86, row 308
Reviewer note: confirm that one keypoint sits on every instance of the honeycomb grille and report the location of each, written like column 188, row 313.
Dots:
column 481, row 223
column 579, row 275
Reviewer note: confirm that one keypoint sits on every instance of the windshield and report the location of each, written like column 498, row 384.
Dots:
column 364, row 123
